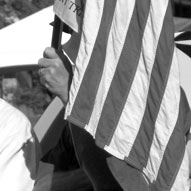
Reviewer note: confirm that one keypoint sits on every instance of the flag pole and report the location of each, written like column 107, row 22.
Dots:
column 56, row 37
column 57, row 33
column 57, row 42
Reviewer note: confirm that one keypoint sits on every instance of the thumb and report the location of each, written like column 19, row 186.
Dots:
column 50, row 52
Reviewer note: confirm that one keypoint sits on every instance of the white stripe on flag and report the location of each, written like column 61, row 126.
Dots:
column 182, row 182
column 133, row 112
column 117, row 35
column 92, row 20
column 166, row 120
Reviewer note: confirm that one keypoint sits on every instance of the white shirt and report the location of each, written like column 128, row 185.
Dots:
column 17, row 150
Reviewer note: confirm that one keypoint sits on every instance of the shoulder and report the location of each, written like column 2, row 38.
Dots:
column 12, row 119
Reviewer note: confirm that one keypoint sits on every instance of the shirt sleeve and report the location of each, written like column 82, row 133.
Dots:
column 18, row 156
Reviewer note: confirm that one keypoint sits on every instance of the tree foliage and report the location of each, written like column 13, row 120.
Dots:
column 14, row 10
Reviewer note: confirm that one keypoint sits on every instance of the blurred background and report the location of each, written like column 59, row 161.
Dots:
column 22, row 89
column 182, row 8
column 14, row 10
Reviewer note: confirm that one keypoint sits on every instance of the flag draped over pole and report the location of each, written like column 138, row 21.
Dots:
column 126, row 91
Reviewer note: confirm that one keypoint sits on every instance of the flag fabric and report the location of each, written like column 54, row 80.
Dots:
column 71, row 12
column 126, row 89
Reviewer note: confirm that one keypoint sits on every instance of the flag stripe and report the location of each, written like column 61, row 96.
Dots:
column 175, row 149
column 117, row 36
column 91, row 24
column 85, row 99
column 158, row 81
column 126, row 90
column 166, row 121
column 132, row 115
column 124, row 74
column 181, row 181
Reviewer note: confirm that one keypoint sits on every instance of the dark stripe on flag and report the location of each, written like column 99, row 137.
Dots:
column 85, row 99
column 158, row 81
column 124, row 74
column 175, row 149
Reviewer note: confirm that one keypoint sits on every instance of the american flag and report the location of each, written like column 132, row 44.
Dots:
column 126, row 89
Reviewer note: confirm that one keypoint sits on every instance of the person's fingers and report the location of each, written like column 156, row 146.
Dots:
column 42, row 71
column 44, row 78
column 47, row 72
column 45, row 62
column 50, row 52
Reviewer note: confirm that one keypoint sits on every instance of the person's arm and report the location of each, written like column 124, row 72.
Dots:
column 18, row 150
column 55, row 73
